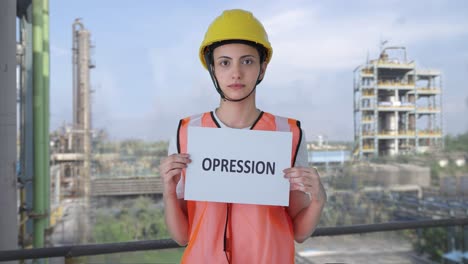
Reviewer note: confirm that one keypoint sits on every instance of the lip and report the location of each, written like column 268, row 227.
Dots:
column 236, row 85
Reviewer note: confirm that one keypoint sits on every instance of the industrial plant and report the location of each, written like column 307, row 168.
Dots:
column 71, row 148
column 397, row 106
column 65, row 192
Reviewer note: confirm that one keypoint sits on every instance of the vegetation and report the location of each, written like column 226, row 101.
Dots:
column 139, row 219
column 457, row 143
column 434, row 242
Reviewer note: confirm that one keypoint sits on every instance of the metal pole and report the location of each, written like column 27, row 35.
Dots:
column 21, row 173
column 46, row 112
column 26, row 125
column 57, row 185
column 28, row 117
column 464, row 247
column 8, row 196
column 38, row 112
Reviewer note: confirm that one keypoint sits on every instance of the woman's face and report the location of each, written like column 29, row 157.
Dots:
column 237, row 68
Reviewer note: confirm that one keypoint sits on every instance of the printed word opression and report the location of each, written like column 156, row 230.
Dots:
column 238, row 166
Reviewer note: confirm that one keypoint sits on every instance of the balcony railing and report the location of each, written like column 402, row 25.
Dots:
column 411, row 133
column 98, row 249
column 428, row 110
column 391, row 83
column 429, row 91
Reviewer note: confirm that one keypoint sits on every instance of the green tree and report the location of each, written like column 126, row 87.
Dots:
column 456, row 143
column 139, row 219
column 433, row 242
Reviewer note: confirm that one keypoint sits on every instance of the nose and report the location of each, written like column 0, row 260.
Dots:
column 236, row 71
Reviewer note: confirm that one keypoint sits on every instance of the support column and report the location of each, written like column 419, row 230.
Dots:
column 8, row 181
column 40, row 213
column 27, row 128
column 46, row 109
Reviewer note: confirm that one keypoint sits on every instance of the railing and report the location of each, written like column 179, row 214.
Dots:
column 367, row 72
column 367, row 120
column 368, row 149
column 429, row 133
column 98, row 249
column 428, row 109
column 408, row 134
column 368, row 93
column 422, row 90
column 126, row 186
column 394, row 63
column 397, row 133
column 395, row 83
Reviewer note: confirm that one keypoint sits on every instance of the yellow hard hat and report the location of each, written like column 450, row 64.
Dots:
column 236, row 24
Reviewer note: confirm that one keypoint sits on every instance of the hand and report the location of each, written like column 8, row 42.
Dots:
column 307, row 180
column 170, row 170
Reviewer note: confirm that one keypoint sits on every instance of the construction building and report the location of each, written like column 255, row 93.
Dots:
column 397, row 107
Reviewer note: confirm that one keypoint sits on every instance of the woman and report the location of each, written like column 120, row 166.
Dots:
column 236, row 52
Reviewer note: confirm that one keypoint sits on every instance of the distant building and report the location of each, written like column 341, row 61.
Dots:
column 320, row 153
column 397, row 107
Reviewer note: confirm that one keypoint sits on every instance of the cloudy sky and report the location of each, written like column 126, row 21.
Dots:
column 148, row 75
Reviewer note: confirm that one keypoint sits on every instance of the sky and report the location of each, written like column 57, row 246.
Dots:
column 148, row 75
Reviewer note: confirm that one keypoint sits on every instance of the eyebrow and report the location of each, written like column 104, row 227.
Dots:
column 242, row 57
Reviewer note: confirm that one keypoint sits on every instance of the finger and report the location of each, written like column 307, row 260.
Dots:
column 301, row 180
column 169, row 176
column 294, row 174
column 299, row 169
column 298, row 187
column 178, row 158
column 173, row 166
column 175, row 156
column 168, row 163
column 308, row 174
column 300, row 174
column 315, row 170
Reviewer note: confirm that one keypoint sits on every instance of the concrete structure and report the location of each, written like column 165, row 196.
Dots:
column 8, row 181
column 397, row 107
column 126, row 186
column 454, row 186
column 387, row 175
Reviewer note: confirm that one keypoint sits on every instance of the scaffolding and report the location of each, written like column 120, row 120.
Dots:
column 397, row 107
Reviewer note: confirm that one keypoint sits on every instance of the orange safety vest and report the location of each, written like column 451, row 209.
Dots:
column 239, row 233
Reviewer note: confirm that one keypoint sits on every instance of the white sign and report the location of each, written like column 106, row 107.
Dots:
column 238, row 166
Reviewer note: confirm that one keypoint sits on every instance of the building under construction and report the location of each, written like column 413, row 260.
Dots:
column 397, row 106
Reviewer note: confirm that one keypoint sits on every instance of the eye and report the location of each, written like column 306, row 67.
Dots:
column 224, row 63
column 248, row 61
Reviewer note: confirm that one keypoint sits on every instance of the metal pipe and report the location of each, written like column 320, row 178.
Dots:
column 39, row 212
column 76, row 27
column 26, row 125
column 57, row 185
column 46, row 111
column 8, row 181
column 82, row 112
column 22, row 155
column 74, row 69
column 28, row 128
